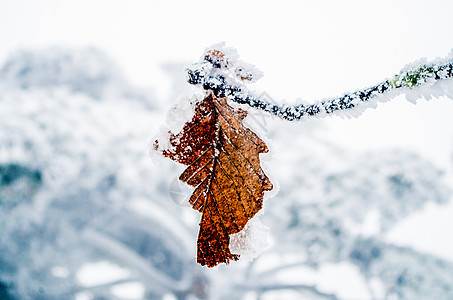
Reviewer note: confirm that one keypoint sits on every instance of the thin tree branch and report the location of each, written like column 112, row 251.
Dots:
column 410, row 79
column 298, row 287
column 136, row 262
column 226, row 78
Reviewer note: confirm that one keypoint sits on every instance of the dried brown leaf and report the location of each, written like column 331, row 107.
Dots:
column 224, row 167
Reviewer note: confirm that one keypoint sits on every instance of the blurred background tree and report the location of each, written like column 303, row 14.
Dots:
column 85, row 214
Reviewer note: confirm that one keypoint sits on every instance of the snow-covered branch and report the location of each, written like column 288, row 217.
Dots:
column 311, row 289
column 131, row 259
column 220, row 71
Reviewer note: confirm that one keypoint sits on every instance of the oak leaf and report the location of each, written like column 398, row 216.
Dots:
column 222, row 156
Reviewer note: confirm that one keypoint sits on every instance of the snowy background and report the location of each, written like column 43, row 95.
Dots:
column 365, row 205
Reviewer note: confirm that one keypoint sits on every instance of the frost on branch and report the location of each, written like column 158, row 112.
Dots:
column 222, row 159
column 220, row 71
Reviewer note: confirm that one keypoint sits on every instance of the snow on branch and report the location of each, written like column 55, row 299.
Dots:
column 221, row 71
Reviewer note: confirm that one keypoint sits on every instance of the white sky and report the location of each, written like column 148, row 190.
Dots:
column 310, row 49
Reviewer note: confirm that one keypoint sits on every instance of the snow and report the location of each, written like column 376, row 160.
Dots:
column 84, row 296
column 89, row 274
column 217, row 71
column 143, row 207
column 130, row 290
column 251, row 241
column 60, row 272
column 179, row 114
column 426, row 231
column 344, row 280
